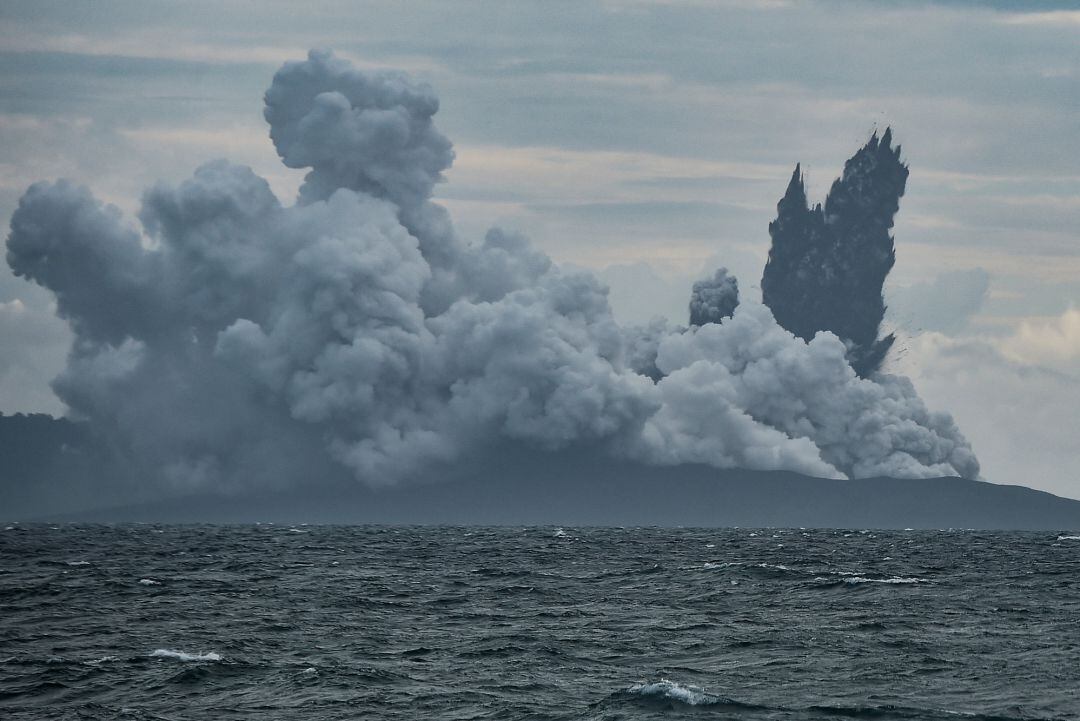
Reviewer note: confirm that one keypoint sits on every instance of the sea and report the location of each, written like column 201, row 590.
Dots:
column 364, row 622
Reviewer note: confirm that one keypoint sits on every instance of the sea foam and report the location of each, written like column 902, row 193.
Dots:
column 182, row 656
column 99, row 661
column 861, row 579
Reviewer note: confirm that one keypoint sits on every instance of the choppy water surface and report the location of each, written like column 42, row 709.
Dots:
column 175, row 622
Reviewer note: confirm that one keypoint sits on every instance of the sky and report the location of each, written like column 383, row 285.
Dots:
column 646, row 141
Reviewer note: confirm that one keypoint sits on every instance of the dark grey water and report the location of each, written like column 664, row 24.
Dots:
column 173, row 622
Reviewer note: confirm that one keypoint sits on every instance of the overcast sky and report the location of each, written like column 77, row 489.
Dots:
column 648, row 141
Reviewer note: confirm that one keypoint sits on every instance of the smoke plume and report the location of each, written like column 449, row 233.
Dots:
column 827, row 265
column 714, row 299
column 236, row 341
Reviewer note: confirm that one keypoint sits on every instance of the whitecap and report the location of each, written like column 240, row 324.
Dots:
column 310, row 669
column 1069, row 538
column 733, row 564
column 99, row 661
column 182, row 656
column 78, row 563
column 559, row 533
column 149, row 582
column 895, row 580
column 689, row 695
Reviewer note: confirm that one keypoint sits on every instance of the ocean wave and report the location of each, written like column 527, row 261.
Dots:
column 849, row 580
column 689, row 695
column 735, row 564
column 182, row 656
column 667, row 692
column 99, row 661
column 908, row 712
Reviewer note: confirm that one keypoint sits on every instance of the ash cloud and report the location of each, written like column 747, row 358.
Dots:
column 714, row 299
column 238, row 342
column 368, row 132
column 827, row 265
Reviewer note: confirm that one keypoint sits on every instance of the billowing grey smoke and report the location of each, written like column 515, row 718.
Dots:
column 372, row 133
column 827, row 265
column 797, row 390
column 240, row 342
column 714, row 299
column 711, row 300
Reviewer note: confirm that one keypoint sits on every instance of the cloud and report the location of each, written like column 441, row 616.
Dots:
column 234, row 341
column 1050, row 343
column 944, row 304
column 1017, row 406
column 1063, row 19
column 666, row 297
column 32, row 353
